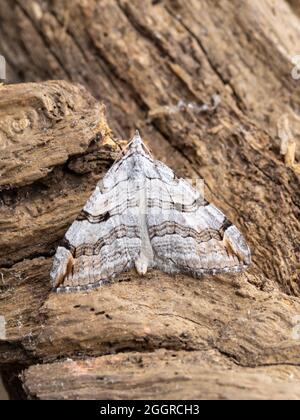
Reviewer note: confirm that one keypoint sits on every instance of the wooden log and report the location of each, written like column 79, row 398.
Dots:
column 206, row 83
column 162, row 374
column 45, row 130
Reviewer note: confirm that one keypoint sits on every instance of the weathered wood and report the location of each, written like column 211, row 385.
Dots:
column 53, row 163
column 160, row 375
column 137, row 59
column 157, row 67
column 253, row 327
column 43, row 128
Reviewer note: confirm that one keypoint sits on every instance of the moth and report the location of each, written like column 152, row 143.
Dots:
column 142, row 216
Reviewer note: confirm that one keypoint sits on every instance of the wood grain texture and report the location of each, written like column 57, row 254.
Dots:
column 39, row 128
column 158, row 55
column 157, row 68
column 252, row 327
column 163, row 374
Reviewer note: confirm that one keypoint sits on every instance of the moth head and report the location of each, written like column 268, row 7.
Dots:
column 137, row 144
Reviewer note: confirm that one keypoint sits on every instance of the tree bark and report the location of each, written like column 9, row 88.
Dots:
column 211, row 87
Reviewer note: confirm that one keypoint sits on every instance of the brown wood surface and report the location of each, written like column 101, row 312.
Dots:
column 208, row 83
